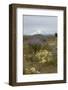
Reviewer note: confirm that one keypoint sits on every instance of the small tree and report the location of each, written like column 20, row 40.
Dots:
column 56, row 34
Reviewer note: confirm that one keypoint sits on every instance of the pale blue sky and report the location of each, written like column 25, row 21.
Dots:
column 39, row 25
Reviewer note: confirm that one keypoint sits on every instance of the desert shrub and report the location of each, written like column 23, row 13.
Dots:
column 35, row 47
column 46, row 47
column 45, row 56
column 52, row 59
column 42, row 55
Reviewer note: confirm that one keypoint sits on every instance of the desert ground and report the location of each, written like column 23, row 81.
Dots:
column 39, row 54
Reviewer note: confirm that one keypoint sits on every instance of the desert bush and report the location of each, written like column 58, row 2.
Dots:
column 42, row 55
column 46, row 47
column 35, row 47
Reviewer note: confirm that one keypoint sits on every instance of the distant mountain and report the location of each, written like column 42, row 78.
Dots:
column 35, row 39
column 38, row 35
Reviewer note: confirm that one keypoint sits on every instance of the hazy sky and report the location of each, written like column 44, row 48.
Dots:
column 40, row 25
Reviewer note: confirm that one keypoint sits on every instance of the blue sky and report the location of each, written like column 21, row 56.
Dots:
column 39, row 24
